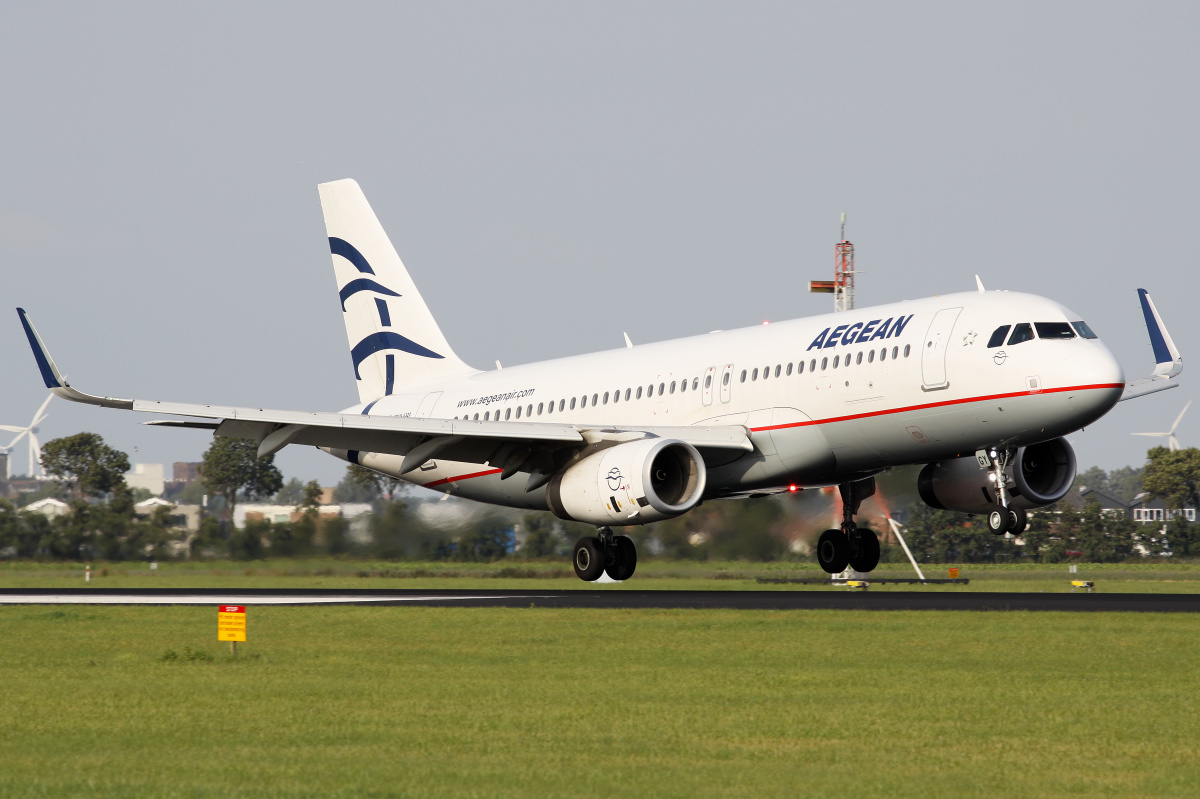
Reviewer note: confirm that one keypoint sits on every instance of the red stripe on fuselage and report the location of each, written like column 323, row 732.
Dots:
column 436, row 483
column 941, row 404
column 851, row 417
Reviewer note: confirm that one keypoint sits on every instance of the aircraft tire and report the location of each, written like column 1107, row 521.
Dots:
column 625, row 563
column 833, row 551
column 1017, row 520
column 868, row 553
column 997, row 520
column 588, row 559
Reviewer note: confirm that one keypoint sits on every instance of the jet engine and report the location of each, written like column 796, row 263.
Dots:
column 1039, row 475
column 634, row 482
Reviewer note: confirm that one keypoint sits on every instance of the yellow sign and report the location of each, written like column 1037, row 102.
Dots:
column 231, row 623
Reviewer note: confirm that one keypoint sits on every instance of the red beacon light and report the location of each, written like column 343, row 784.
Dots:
column 793, row 488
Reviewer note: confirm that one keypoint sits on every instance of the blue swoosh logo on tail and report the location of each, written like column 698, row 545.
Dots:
column 363, row 284
column 347, row 250
column 387, row 340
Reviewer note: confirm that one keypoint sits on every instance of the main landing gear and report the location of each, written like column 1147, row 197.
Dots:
column 1003, row 517
column 853, row 546
column 605, row 553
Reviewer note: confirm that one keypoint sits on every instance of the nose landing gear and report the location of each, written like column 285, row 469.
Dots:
column 605, row 553
column 853, row 546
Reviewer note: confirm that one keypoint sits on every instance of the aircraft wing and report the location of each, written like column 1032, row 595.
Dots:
column 416, row 438
column 1168, row 363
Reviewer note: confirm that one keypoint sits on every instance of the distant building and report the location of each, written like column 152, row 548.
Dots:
column 185, row 471
column 252, row 512
column 185, row 516
column 49, row 507
column 1144, row 509
column 148, row 476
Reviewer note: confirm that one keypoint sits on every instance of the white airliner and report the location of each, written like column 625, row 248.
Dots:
column 980, row 386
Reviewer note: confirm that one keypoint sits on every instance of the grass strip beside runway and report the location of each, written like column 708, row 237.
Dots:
column 360, row 701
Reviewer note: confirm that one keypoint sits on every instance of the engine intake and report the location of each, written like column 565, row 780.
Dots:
column 635, row 482
column 1039, row 475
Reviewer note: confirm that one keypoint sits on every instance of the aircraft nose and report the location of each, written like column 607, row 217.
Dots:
column 1096, row 371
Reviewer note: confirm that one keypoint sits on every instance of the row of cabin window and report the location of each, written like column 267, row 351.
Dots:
column 598, row 399
column 786, row 369
column 1050, row 330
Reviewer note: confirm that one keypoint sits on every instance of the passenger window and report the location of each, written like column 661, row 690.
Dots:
column 539, row 409
column 1053, row 330
column 639, row 392
column 661, row 386
column 563, row 402
column 572, row 403
column 529, row 410
column 695, row 384
column 836, row 358
column 743, row 375
column 998, row 335
column 883, row 354
column 871, row 356
column 550, row 408
column 766, row 372
column 778, row 370
column 907, row 347
column 476, row 418
column 594, row 398
column 789, row 369
column 518, row 411
column 708, row 381
column 800, row 368
column 725, row 379
column 605, row 397
column 628, row 391
column 754, row 374
column 812, row 365
column 1022, row 332
column 1083, row 330
column 650, row 390
column 583, row 401
column 507, row 414
column 672, row 386
column 824, row 364
column 682, row 386
column 895, row 352
column 858, row 359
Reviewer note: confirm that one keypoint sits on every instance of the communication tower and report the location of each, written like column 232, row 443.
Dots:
column 842, row 285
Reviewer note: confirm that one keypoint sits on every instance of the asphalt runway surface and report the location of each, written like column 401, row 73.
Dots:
column 838, row 599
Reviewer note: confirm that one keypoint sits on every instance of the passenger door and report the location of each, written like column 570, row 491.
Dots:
column 933, row 351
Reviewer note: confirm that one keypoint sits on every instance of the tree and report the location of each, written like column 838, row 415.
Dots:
column 232, row 464
column 540, row 540
column 85, row 465
column 292, row 493
column 1174, row 476
column 366, row 485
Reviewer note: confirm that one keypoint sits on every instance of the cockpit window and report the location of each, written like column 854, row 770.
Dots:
column 1054, row 330
column 1022, row 332
column 1083, row 330
column 998, row 337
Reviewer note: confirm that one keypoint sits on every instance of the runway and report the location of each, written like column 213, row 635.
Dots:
column 618, row 598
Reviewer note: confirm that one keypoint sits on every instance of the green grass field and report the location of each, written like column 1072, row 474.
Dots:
column 391, row 701
column 1144, row 577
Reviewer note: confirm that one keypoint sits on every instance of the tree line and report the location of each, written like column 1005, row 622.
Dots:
column 102, row 523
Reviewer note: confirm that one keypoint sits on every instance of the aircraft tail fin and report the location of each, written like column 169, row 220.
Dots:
column 395, row 344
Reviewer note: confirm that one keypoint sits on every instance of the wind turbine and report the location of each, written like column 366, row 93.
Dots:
column 29, row 431
column 1172, row 441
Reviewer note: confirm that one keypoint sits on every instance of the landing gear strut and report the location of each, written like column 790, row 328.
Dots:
column 853, row 546
column 1003, row 517
column 604, row 553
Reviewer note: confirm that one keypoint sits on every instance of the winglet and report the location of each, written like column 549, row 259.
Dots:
column 1168, row 363
column 53, row 378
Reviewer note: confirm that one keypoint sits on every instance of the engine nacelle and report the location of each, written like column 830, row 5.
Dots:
column 1039, row 475
column 636, row 482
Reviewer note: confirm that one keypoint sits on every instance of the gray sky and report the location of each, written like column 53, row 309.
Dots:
column 555, row 173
